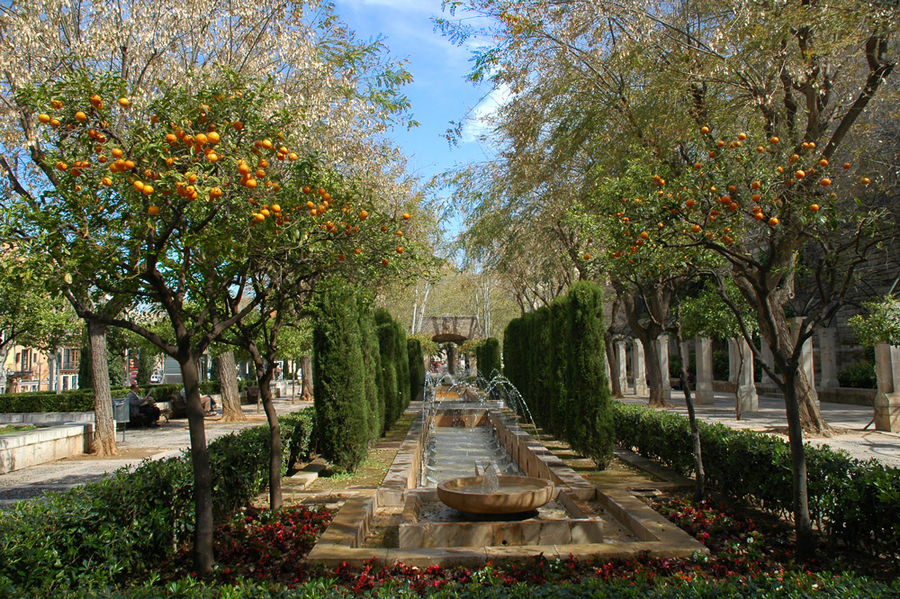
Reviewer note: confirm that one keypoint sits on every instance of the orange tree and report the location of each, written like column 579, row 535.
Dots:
column 169, row 205
column 787, row 232
column 352, row 240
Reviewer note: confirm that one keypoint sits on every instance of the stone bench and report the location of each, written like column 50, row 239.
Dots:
column 38, row 446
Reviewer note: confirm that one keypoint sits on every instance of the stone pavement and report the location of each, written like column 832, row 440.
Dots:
column 169, row 439
column 848, row 420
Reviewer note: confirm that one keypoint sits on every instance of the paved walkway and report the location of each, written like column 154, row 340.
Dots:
column 169, row 439
column 849, row 422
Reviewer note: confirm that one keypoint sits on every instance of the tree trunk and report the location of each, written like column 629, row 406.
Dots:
column 306, row 389
column 811, row 419
column 612, row 357
column 264, row 376
column 204, row 560
column 654, row 372
column 700, row 489
column 231, row 398
column 806, row 541
column 104, row 440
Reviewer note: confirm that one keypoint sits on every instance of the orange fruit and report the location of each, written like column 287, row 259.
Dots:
column 825, row 182
column 201, row 139
column 800, row 174
column 847, row 165
column 56, row 104
column 213, row 137
column 215, row 192
column 237, row 125
column 385, row 261
column 212, row 157
column 148, row 189
column 773, row 221
column 124, row 102
column 823, row 162
column 251, row 183
column 814, row 207
column 117, row 153
column 44, row 118
column 363, row 215
column 96, row 101
column 704, row 129
column 399, row 250
column 153, row 210
column 696, row 228
column 774, row 140
column 865, row 180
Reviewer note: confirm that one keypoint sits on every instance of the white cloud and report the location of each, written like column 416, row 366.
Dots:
column 477, row 123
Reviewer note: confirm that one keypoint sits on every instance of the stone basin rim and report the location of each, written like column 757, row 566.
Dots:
column 466, row 494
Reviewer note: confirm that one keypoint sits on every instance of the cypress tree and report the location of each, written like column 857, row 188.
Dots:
column 593, row 435
column 340, row 389
column 416, row 369
column 387, row 346
column 488, row 356
column 560, row 335
column 371, row 366
column 402, row 362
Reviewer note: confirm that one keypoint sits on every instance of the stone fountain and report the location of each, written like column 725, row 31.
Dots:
column 503, row 495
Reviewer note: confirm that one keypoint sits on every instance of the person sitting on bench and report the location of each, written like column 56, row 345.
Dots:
column 143, row 410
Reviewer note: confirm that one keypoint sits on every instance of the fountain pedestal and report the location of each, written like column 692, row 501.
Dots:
column 513, row 494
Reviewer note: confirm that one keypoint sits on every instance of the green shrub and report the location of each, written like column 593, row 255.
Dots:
column 340, row 380
column 854, row 502
column 860, row 374
column 119, row 528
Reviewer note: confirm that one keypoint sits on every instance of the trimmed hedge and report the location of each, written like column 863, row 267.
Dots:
column 854, row 502
column 555, row 358
column 82, row 400
column 114, row 530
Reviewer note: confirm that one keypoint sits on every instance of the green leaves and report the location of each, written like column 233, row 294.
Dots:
column 880, row 323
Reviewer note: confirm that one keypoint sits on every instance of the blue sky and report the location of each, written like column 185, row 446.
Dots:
column 439, row 93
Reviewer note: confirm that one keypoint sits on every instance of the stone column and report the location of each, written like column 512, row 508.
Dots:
column 828, row 358
column 640, row 373
column 704, row 391
column 747, row 399
column 887, row 398
column 606, row 367
column 767, row 359
column 451, row 359
column 733, row 358
column 684, row 354
column 623, row 366
column 662, row 349
column 806, row 357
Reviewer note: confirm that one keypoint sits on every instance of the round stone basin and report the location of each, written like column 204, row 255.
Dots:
column 514, row 494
